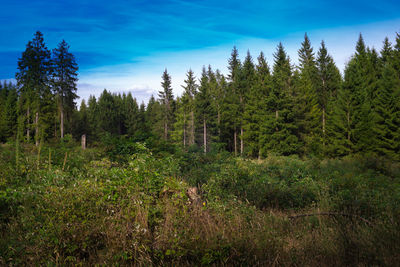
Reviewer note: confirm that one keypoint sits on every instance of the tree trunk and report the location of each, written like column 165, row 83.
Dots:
column 276, row 117
column 219, row 125
column 83, row 141
column 37, row 128
column 28, row 133
column 234, row 141
column 323, row 125
column 348, row 126
column 205, row 134
column 62, row 123
column 192, row 130
column 184, row 130
column 241, row 141
column 165, row 130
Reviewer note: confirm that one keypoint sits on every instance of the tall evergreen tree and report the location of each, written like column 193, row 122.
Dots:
column 308, row 111
column 256, row 107
column 329, row 82
column 190, row 89
column 65, row 77
column 166, row 98
column 203, row 106
column 34, row 69
column 279, row 128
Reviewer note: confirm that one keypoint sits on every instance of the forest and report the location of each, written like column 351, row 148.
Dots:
column 271, row 164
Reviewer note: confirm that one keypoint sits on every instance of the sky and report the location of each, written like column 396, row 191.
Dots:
column 124, row 46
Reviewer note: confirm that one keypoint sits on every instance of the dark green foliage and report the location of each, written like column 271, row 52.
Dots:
column 279, row 128
column 64, row 79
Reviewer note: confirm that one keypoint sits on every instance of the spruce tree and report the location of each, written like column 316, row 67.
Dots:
column 256, row 107
column 190, row 89
column 65, row 77
column 329, row 82
column 279, row 128
column 308, row 111
column 203, row 107
column 166, row 98
column 33, row 76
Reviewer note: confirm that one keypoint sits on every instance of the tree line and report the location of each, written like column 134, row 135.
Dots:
column 255, row 110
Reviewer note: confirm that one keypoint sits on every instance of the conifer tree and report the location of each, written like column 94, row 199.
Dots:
column 64, row 81
column 203, row 106
column 307, row 108
column 166, row 98
column 34, row 69
column 231, row 106
column 256, row 107
column 329, row 82
column 190, row 89
column 279, row 128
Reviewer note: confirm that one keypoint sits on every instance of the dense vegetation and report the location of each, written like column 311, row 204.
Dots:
column 316, row 183
column 64, row 205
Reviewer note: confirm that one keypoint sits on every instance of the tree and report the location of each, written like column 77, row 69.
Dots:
column 279, row 128
column 329, row 82
column 308, row 111
column 166, row 98
column 188, row 97
column 65, row 77
column 256, row 107
column 203, row 105
column 33, row 76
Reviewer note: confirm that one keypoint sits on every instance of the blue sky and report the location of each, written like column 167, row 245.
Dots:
column 125, row 45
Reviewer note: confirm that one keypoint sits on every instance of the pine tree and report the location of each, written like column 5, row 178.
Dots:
column 166, row 98
column 308, row 111
column 279, row 128
column 256, row 108
column 329, row 82
column 189, row 94
column 64, row 82
column 231, row 116
column 34, row 69
column 131, row 114
column 385, row 101
column 203, row 106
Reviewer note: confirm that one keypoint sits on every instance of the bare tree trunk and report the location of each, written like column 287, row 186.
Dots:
column 83, row 141
column 184, row 130
column 205, row 135
column 28, row 133
column 259, row 153
column 37, row 128
column 165, row 130
column 219, row 125
column 348, row 126
column 192, row 130
column 241, row 141
column 62, row 122
column 276, row 117
column 323, row 125
column 234, row 141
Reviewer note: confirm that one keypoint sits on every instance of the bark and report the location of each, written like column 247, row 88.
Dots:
column 165, row 130
column 234, row 141
column 348, row 126
column 205, row 135
column 241, row 141
column 323, row 125
column 37, row 128
column 184, row 130
column 83, row 141
column 192, row 128
column 28, row 133
column 62, row 123
column 276, row 116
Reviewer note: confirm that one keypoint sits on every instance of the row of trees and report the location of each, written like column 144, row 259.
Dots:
column 42, row 102
column 253, row 111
